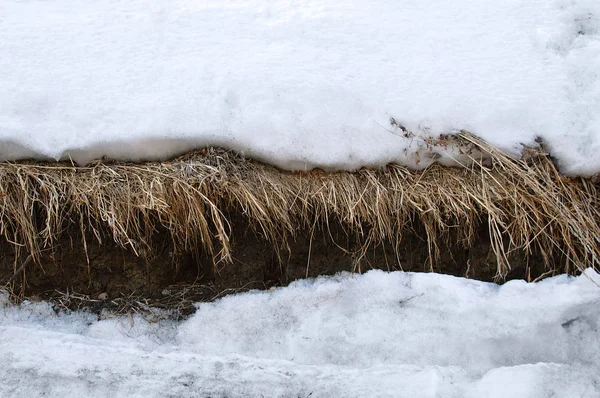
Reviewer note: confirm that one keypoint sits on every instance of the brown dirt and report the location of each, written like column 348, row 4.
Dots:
column 171, row 280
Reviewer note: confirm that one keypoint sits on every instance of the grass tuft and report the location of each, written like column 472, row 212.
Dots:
column 526, row 203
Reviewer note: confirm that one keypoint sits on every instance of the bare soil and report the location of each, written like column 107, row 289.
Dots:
column 109, row 276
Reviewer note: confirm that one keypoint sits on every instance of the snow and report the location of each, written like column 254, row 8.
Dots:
column 378, row 334
column 299, row 84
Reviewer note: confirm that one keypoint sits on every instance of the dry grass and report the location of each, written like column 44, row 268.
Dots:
column 526, row 203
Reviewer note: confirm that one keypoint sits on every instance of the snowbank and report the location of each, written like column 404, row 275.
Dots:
column 379, row 334
column 298, row 84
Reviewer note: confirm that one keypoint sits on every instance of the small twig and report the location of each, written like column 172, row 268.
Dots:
column 542, row 276
column 21, row 268
column 406, row 300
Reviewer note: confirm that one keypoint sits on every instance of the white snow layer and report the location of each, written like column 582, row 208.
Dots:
column 376, row 335
column 299, row 84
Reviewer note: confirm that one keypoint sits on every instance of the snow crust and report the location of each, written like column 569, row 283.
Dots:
column 299, row 84
column 379, row 334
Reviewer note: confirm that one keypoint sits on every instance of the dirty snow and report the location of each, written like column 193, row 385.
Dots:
column 298, row 83
column 379, row 334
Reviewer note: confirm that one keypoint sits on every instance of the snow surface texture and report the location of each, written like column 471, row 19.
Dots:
column 299, row 84
column 376, row 335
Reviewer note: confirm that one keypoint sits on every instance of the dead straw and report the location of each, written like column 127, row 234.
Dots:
column 526, row 204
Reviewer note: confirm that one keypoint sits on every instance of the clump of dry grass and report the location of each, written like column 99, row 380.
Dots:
column 527, row 204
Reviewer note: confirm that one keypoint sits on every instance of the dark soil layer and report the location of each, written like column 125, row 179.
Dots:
column 256, row 265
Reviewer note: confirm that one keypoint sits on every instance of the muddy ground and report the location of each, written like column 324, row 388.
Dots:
column 117, row 278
